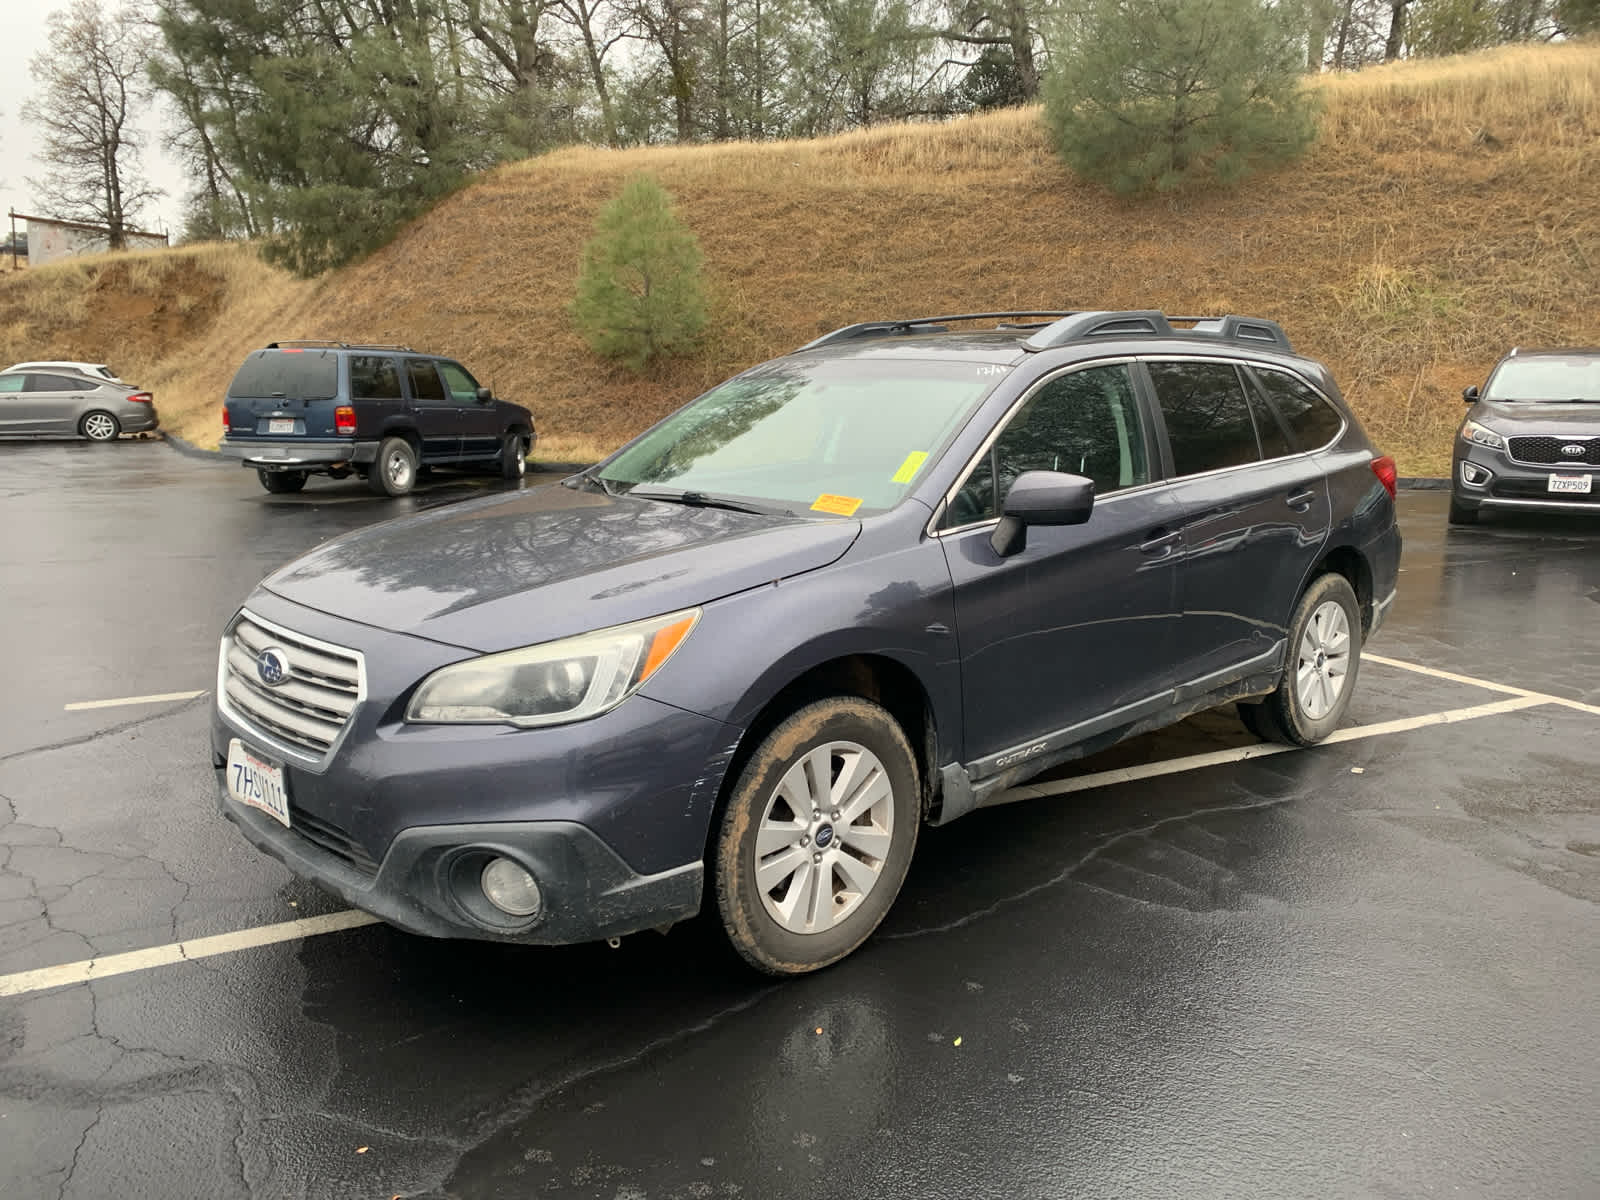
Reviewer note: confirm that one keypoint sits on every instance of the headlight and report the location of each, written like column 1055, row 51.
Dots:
column 1482, row 435
column 554, row 683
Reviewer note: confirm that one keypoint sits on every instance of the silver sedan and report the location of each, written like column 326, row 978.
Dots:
column 45, row 403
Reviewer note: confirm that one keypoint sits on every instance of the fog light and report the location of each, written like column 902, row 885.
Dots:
column 1474, row 474
column 510, row 888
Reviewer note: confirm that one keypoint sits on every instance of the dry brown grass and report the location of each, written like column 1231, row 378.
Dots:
column 1451, row 208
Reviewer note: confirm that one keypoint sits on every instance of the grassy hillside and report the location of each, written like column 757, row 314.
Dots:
column 1450, row 209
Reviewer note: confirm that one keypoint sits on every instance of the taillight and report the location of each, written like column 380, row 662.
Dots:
column 344, row 419
column 1383, row 467
column 142, row 398
column 225, row 426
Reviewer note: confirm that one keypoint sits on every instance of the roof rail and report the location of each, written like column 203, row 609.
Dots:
column 320, row 344
column 1150, row 323
column 866, row 329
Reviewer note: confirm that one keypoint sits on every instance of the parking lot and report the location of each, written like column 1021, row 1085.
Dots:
column 1192, row 965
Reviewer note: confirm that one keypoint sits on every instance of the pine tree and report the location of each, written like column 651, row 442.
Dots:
column 640, row 293
column 1153, row 94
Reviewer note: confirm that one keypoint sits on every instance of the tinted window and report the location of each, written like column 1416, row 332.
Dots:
column 374, row 378
column 463, row 387
column 1084, row 423
column 57, row 383
column 1310, row 418
column 297, row 374
column 1275, row 442
column 11, row 383
column 1208, row 418
column 425, row 383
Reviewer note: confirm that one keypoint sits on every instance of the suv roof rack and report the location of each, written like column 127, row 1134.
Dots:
column 319, row 344
column 1073, row 324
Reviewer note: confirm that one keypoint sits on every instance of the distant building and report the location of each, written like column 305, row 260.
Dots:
column 45, row 239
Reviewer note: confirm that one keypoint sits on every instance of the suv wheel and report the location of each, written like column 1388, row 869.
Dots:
column 1320, row 678
column 1461, row 514
column 99, row 426
column 281, row 482
column 513, row 457
column 394, row 471
column 817, row 836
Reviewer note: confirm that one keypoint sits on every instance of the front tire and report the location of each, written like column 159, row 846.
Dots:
column 817, row 836
column 394, row 471
column 281, row 483
column 99, row 426
column 1320, row 676
column 513, row 457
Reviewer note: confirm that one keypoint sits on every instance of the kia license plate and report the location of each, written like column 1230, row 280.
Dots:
column 281, row 425
column 254, row 781
column 1576, row 485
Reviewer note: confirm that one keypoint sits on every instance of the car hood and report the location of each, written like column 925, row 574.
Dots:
column 512, row 571
column 1539, row 419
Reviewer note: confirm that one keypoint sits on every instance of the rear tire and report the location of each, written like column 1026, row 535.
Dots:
column 513, row 457
column 817, row 836
column 394, row 471
column 281, row 483
column 1320, row 676
column 99, row 426
column 1461, row 514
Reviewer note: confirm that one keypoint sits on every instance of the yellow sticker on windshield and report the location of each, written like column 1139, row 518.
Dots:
column 839, row 506
column 908, row 469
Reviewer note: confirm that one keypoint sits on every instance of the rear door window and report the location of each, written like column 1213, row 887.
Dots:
column 463, row 387
column 1310, row 418
column 424, row 380
column 293, row 374
column 374, row 378
column 1208, row 418
column 11, row 383
column 56, row 383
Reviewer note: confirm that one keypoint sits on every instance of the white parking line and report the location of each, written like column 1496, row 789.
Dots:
column 44, row 978
column 164, row 698
column 1215, row 758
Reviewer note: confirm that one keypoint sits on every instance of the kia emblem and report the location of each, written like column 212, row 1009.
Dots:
column 1574, row 450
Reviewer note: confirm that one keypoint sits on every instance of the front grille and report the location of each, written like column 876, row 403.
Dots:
column 332, row 839
column 311, row 708
column 1546, row 451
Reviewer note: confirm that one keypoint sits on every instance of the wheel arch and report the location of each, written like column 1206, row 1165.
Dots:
column 1353, row 565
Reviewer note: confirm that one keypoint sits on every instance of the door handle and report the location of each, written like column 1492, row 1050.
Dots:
column 1159, row 542
column 1301, row 500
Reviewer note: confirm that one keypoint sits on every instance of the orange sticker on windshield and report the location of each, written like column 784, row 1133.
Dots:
column 839, row 506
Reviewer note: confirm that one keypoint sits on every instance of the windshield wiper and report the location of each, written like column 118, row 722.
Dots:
column 591, row 479
column 701, row 500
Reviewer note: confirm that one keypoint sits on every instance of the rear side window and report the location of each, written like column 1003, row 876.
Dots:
column 374, row 378
column 425, row 383
column 1207, row 415
column 56, row 383
column 463, row 387
column 1311, row 419
column 298, row 375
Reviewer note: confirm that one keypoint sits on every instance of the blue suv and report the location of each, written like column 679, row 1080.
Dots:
column 861, row 588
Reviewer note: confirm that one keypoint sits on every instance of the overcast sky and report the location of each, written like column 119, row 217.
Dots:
column 25, row 33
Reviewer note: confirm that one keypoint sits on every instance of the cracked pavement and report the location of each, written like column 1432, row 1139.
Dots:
column 1364, row 969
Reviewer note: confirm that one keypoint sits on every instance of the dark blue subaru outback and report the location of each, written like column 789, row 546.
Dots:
column 868, row 585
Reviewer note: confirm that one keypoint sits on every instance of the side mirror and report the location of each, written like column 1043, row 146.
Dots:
column 1040, row 498
column 1470, row 395
column 484, row 395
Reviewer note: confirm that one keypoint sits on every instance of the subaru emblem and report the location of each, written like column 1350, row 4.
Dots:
column 272, row 666
column 1574, row 450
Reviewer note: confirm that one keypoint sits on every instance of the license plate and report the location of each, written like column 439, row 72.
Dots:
column 281, row 425
column 257, row 782
column 1579, row 485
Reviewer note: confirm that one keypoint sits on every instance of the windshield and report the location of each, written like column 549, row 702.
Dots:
column 839, row 436
column 1576, row 377
column 298, row 374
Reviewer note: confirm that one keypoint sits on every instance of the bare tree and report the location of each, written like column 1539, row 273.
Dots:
column 89, row 79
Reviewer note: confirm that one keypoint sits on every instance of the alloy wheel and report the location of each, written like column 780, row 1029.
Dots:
column 1324, row 660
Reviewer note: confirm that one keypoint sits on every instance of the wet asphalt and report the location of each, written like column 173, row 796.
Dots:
column 1367, row 969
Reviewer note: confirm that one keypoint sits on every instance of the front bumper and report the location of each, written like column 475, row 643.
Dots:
column 427, row 882
column 297, row 454
column 1487, row 479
